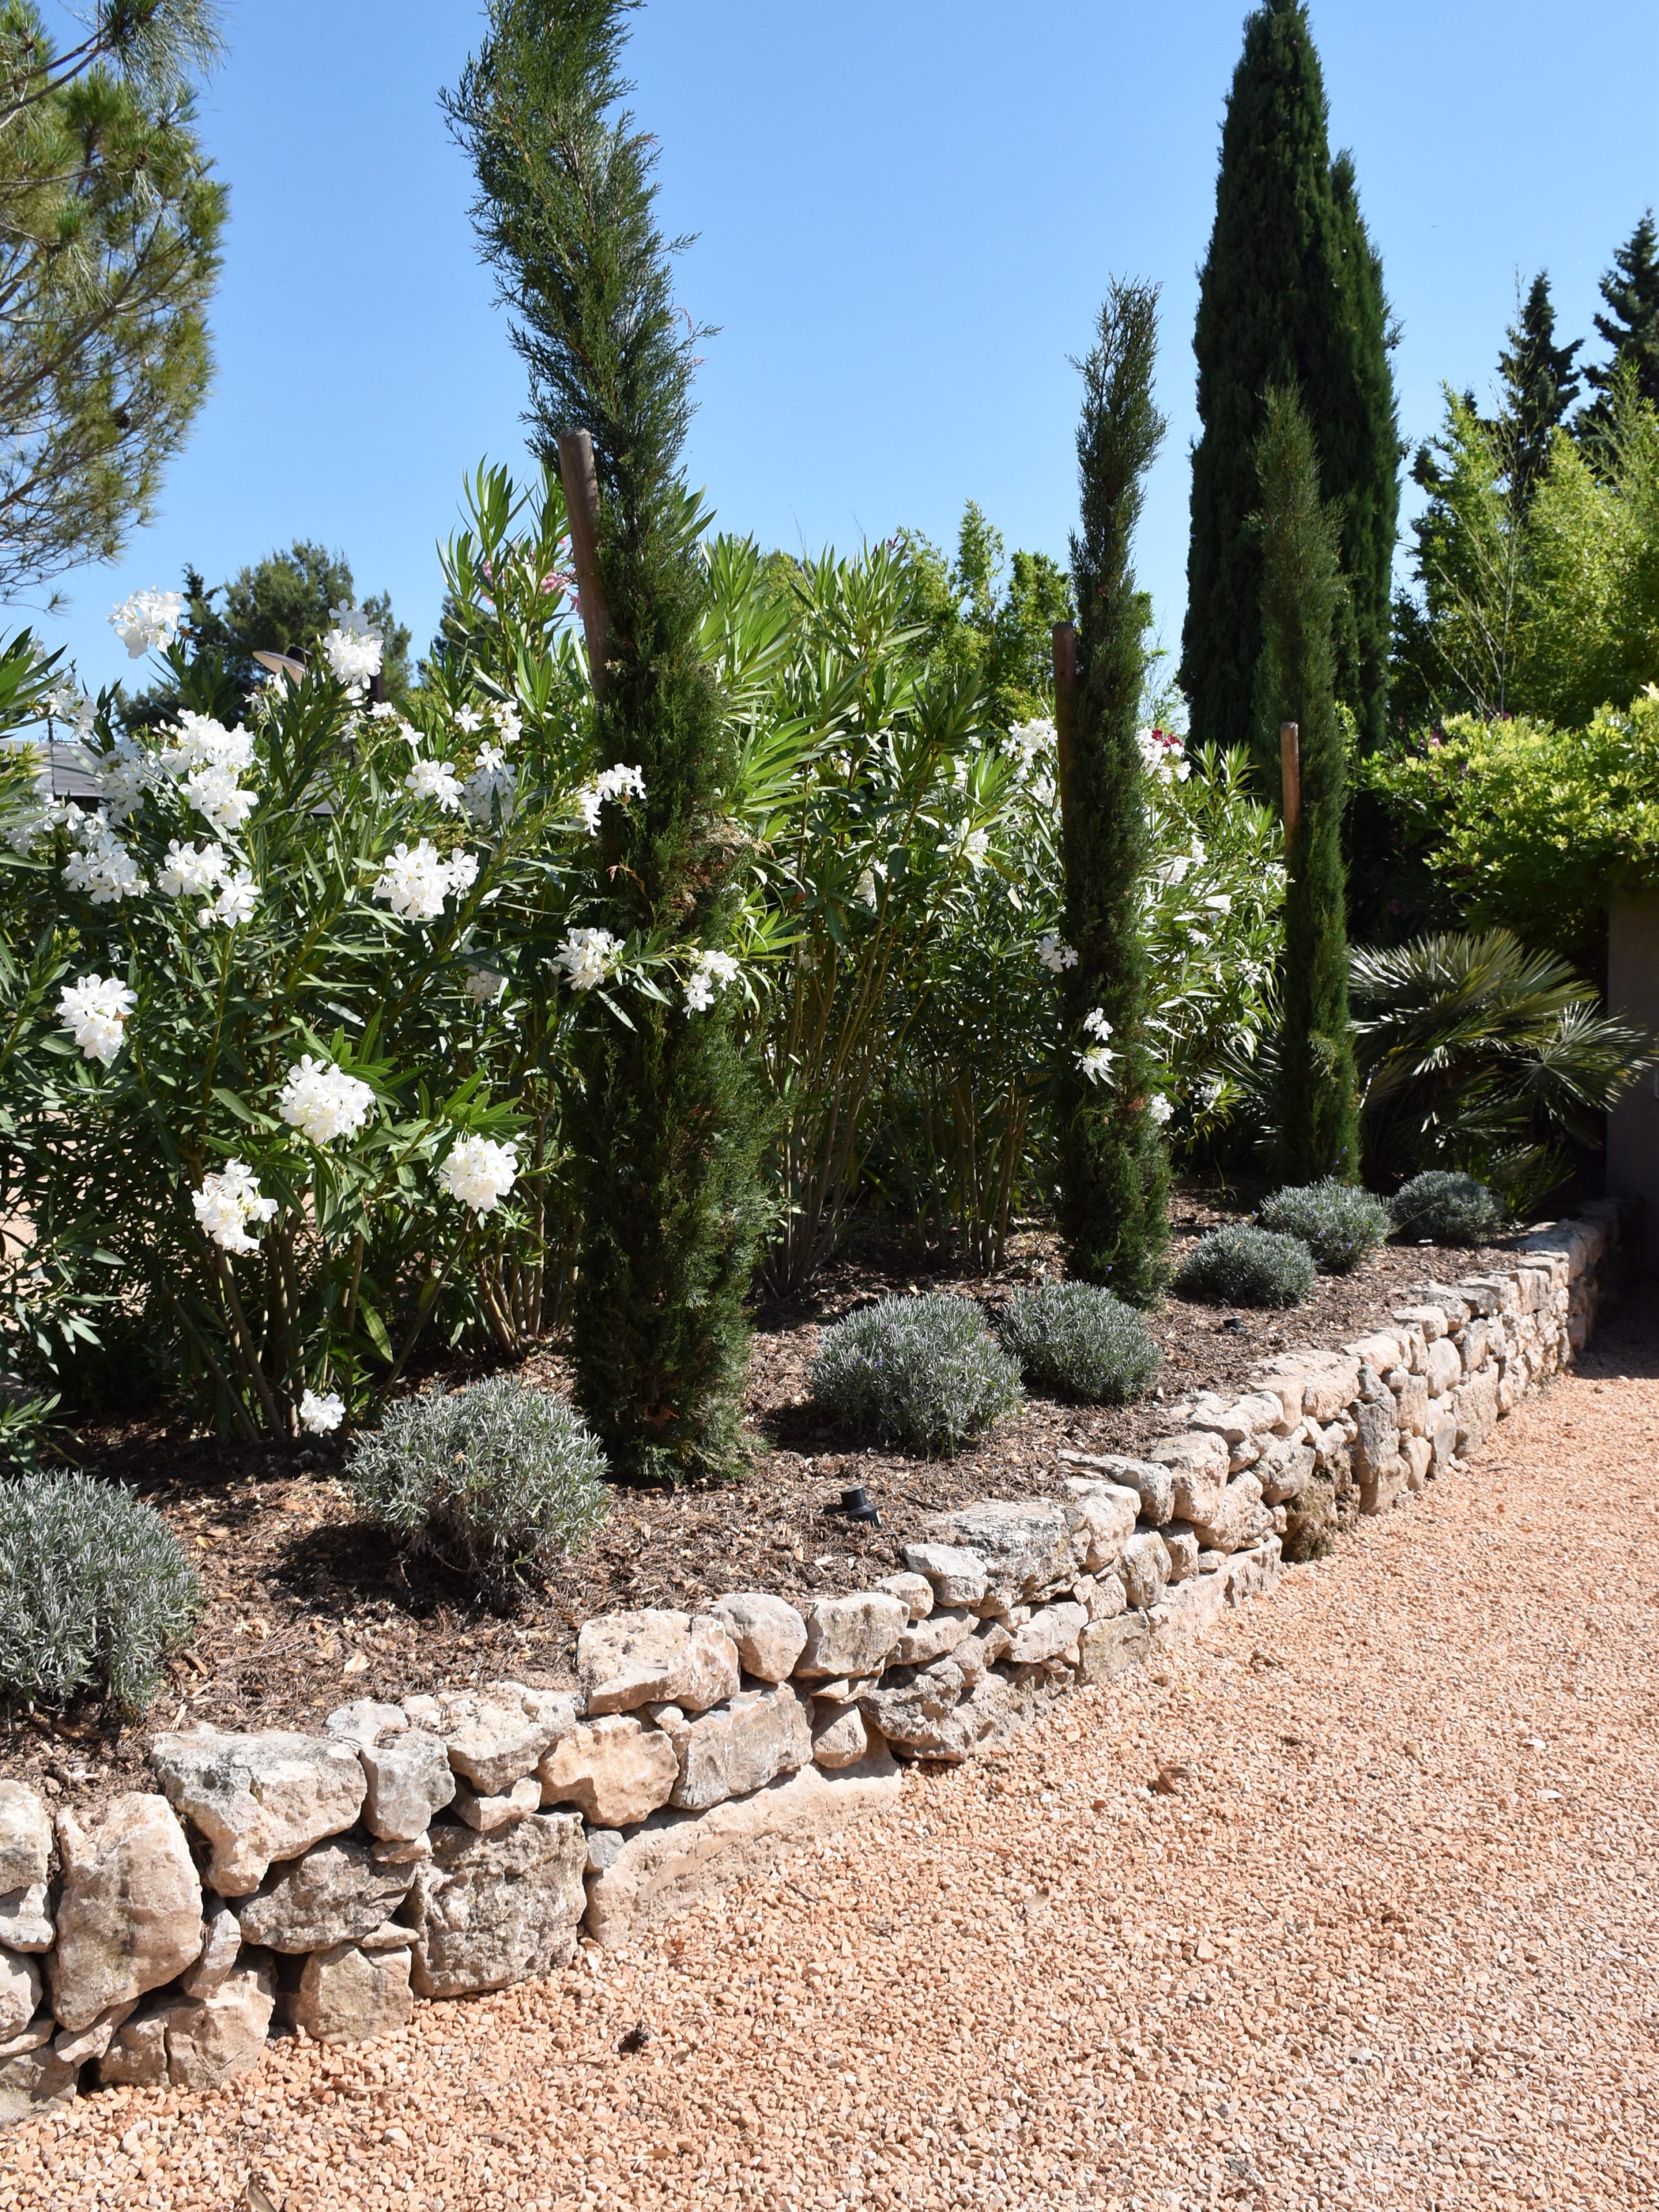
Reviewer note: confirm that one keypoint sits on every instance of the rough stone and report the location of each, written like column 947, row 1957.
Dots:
column 1376, row 1436
column 26, row 1919
column 1445, row 1367
column 1144, row 1569
column 677, row 1858
column 839, row 1737
column 129, row 1912
column 1419, row 1453
column 957, row 1577
column 1284, row 1470
column 1316, row 1384
column 494, row 1739
column 1109, row 1511
column 222, row 1944
column 1049, row 1633
column 259, row 1798
column 852, row 1635
column 916, row 1591
column 1381, row 1485
column 1411, row 1402
column 1475, row 1403
column 487, row 1815
column 615, row 1768
column 1442, row 1436
column 1197, row 1462
column 1253, row 1573
column 769, row 1634
column 626, row 1659
column 335, row 1894
column 925, row 1712
column 1180, row 1542
column 410, row 1778
column 31, row 2081
column 196, row 2043
column 1244, row 1417
column 25, row 1839
column 348, row 1995
column 365, row 1720
column 499, row 1909
column 1150, row 1479
column 80, row 2044
column 603, row 1846
column 1108, row 1597
column 738, row 1748
column 1188, row 1610
column 1025, row 1542
column 1229, row 1525
column 934, row 1638
column 1109, row 1648
column 19, row 1992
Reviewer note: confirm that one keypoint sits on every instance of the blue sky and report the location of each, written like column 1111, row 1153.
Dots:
column 907, row 210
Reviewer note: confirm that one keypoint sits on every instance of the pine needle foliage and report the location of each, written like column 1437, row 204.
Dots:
column 1302, row 591
column 1113, row 1166
column 667, row 1131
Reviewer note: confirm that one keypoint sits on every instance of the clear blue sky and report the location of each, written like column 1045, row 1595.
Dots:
column 908, row 211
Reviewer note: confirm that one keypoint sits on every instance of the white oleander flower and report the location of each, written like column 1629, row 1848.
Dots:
column 1095, row 1063
column 974, row 846
column 124, row 774
column 95, row 1011
column 479, row 1173
column 468, row 719
column 1174, row 869
column 226, row 1203
column 102, row 868
column 190, row 871
column 383, row 711
column 435, row 779
column 1095, row 1024
column 321, row 1416
column 1054, row 954
column 322, row 1101
column 1028, row 742
column 494, row 778
column 1219, row 902
column 1161, row 756
column 237, row 897
column 617, row 784
column 200, row 742
column 353, row 648
column 1159, row 1108
column 710, row 972
column 415, row 884
column 148, row 621
column 508, row 722
column 483, row 986
column 219, row 799
column 587, row 956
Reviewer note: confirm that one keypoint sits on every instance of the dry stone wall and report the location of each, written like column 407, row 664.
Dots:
column 459, row 1843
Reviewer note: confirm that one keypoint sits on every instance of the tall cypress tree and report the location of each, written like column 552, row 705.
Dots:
column 1302, row 593
column 1290, row 293
column 1630, row 326
column 666, row 1126
column 1540, row 385
column 1113, row 1167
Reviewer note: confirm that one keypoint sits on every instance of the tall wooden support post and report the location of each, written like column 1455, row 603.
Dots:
column 1290, row 766
column 580, row 479
column 1065, row 651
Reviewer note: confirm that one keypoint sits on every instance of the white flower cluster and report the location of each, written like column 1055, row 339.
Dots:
column 1054, row 954
column 1095, row 1059
column 494, row 778
column 206, row 759
column 191, row 870
column 1161, row 757
column 93, row 1011
column 479, row 1173
column 435, row 780
column 620, row 784
column 353, row 648
column 40, row 812
column 319, row 1416
column 710, row 971
column 148, row 621
column 1030, row 742
column 322, row 1101
column 102, row 868
column 974, row 846
column 483, row 986
column 587, row 956
column 414, row 884
column 125, row 773
column 225, row 1205
column 1159, row 1108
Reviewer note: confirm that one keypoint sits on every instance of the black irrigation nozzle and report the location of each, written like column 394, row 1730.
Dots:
column 855, row 1506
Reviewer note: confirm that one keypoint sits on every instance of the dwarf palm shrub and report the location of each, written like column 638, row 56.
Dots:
column 1240, row 1265
column 1079, row 1341
column 1441, row 1207
column 923, row 1372
column 1338, row 1224
column 95, row 1590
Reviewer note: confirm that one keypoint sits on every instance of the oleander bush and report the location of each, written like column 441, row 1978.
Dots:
column 1078, row 1340
column 923, row 1372
column 1242, row 1266
column 1338, row 1224
column 95, row 1591
column 494, row 1481
column 1443, row 1208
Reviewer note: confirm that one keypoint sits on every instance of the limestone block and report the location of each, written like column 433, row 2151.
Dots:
column 366, row 1720
column 336, row 1892
column 615, row 1768
column 915, row 1589
column 1445, row 1367
column 222, row 1944
column 935, row 1638
column 410, row 1778
column 494, row 1738
column 1443, row 1438
column 1475, row 1403
column 32, row 2081
column 1150, row 1479
column 1109, row 1648
column 259, row 1798
column 26, row 1919
column 1228, row 1525
column 130, row 1911
column 349, row 1995
column 1411, row 1403
column 936, row 1712
column 739, row 1746
column 1380, row 1350
column 1025, row 1543
column 19, row 1992
column 25, row 1839
column 1188, row 1610
column 1494, row 1295
column 1318, row 1384
column 196, row 2043
column 1284, row 1470
column 769, row 1632
column 839, row 1737
column 1510, row 1388
column 1254, row 1573
column 1431, row 1320
column 1198, row 1471
column 80, row 2044
column 1418, row 1455
column 1260, row 1412
column 487, row 1815
column 678, row 1858
column 626, row 1659
column 1473, row 1349
column 851, row 1636
column 496, row 1910
column 1376, row 1442
column 1180, row 1541
column 1108, row 1597
column 1144, row 1569
column 1049, row 1632
column 1109, row 1511
column 1381, row 1483
column 957, row 1576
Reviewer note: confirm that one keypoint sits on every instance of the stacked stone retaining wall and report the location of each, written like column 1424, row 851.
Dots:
column 459, row 1843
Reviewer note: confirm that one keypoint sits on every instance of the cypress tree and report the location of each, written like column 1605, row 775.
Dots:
column 667, row 1130
column 1302, row 591
column 1114, row 1166
column 1290, row 293
column 1539, row 384
column 1630, row 326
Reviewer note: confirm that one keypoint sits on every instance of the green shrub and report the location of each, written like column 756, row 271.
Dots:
column 1446, row 1208
column 491, row 1481
column 1338, row 1224
column 1244, row 1267
column 95, row 1591
column 1079, row 1341
column 924, row 1372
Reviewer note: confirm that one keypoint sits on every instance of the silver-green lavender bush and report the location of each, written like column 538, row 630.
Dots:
column 1240, row 1265
column 1079, row 1341
column 923, row 1372
column 1338, row 1224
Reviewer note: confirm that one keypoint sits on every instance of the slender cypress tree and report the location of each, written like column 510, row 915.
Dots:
column 667, row 1127
column 1290, row 293
column 1540, row 385
column 1114, row 1168
column 1302, row 591
column 1630, row 326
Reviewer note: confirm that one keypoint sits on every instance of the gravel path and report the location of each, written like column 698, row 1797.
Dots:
column 1390, row 1938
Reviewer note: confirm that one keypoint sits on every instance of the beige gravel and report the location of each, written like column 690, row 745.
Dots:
column 1390, row 1941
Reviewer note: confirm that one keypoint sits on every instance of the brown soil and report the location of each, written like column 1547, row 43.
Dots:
column 307, row 1607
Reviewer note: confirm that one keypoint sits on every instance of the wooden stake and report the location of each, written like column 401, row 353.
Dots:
column 1065, row 650
column 580, row 479
column 1289, row 761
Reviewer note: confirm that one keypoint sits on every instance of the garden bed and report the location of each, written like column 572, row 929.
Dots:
column 307, row 1607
